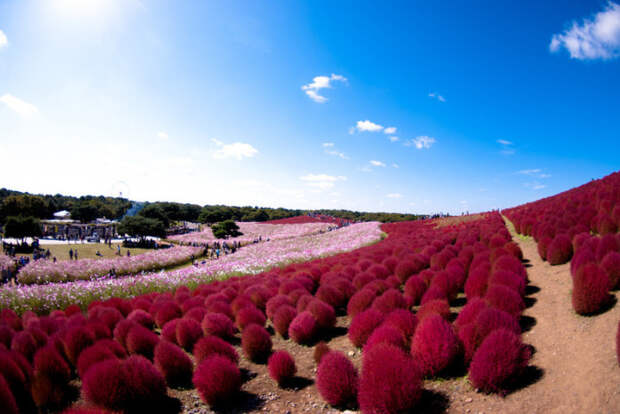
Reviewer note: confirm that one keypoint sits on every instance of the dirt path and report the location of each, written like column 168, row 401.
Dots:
column 576, row 355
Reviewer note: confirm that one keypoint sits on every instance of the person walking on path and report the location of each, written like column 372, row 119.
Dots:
column 70, row 254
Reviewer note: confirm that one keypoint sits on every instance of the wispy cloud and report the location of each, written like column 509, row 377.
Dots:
column 390, row 130
column 322, row 181
column 22, row 108
column 394, row 195
column 4, row 41
column 321, row 82
column 535, row 185
column 366, row 126
column 328, row 144
column 507, row 148
column 376, row 163
column 531, row 171
column 437, row 96
column 394, row 165
column 162, row 135
column 394, row 139
column 330, row 150
column 237, row 150
column 595, row 38
column 421, row 142
column 504, row 142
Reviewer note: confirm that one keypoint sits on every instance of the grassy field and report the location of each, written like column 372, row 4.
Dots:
column 86, row 251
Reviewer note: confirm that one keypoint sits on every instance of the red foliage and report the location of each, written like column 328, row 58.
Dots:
column 324, row 314
column 76, row 340
column 249, row 315
column 121, row 330
column 169, row 331
column 385, row 334
column 360, row 301
column 590, row 289
column 275, row 302
column 543, row 245
column 336, row 379
column 167, row 311
column 331, row 295
column 188, row 331
column 256, row 343
column 470, row 312
column 100, row 351
column 509, row 279
column 141, row 341
column 415, row 289
column 321, row 349
column 391, row 381
column 7, row 400
column 302, row 328
column 505, row 298
column 608, row 243
column 24, row 343
column 560, row 250
column 217, row 380
column 213, row 345
column 500, row 357
column 362, row 326
column 282, row 319
column 434, row 345
column 403, row 320
column 433, row 293
column 476, row 284
column 110, row 317
column 281, row 367
column 439, row 307
column 219, row 325
column 173, row 364
column 611, row 266
column 391, row 299
column 142, row 317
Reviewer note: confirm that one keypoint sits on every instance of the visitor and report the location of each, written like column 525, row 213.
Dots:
column 98, row 254
column 128, row 253
column 54, row 259
column 75, row 254
column 70, row 254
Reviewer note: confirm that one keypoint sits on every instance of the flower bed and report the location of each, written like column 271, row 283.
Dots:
column 252, row 231
column 6, row 262
column 248, row 260
column 46, row 271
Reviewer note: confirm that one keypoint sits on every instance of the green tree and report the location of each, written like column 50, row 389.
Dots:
column 21, row 227
column 225, row 229
column 155, row 211
column 139, row 226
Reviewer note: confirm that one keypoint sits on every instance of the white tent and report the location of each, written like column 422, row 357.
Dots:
column 62, row 214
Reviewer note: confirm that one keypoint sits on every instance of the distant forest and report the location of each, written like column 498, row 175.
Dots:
column 87, row 208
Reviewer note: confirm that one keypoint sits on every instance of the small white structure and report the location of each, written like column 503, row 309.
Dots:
column 62, row 215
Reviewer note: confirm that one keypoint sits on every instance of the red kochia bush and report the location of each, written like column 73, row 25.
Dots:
column 282, row 319
column 360, row 301
column 167, row 311
column 281, row 367
column 24, row 343
column 100, row 351
column 302, row 328
column 611, row 265
column 560, row 250
column 217, row 380
column 390, row 299
column 590, row 289
column 385, row 334
column 76, row 340
column 324, row 314
column 141, row 341
column 51, row 377
column 470, row 312
column 173, row 363
column 218, row 324
column 210, row 345
column 249, row 315
column 188, row 331
column 391, row 381
column 501, row 356
column 336, row 379
column 415, row 289
column 7, row 400
column 505, row 298
column 476, row 283
column 256, row 342
column 403, row 320
column 509, row 279
column 439, row 307
column 434, row 345
column 142, row 317
column 362, row 325
column 543, row 245
column 122, row 329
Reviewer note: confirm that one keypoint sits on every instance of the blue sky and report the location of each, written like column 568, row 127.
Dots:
column 292, row 104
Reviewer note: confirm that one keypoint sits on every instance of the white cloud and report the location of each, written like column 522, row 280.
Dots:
column 321, row 82
column 504, row 142
column 394, row 195
column 337, row 154
column 531, row 171
column 4, row 41
column 376, row 163
column 162, row 135
column 544, row 176
column 594, row 38
column 390, row 130
column 328, row 144
column 538, row 186
column 238, row 150
column 368, row 126
column 394, row 139
column 322, row 181
column 394, row 165
column 437, row 96
column 23, row 108
column 421, row 142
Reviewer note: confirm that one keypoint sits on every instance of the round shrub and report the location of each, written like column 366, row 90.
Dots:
column 324, row 314
column 256, row 343
column 582, row 257
column 433, row 293
column 141, row 341
column 500, row 357
column 415, row 289
column 173, row 364
column 434, row 345
column 169, row 331
column 275, row 302
column 188, row 331
column 385, row 334
column 24, row 343
column 543, row 245
column 100, row 351
column 331, row 295
column 611, row 266
column 508, row 279
column 302, row 328
column 560, row 250
column 196, row 313
column 439, row 307
column 281, row 366
column 110, row 317
column 362, row 326
column 282, row 319
column 336, row 379
column 249, row 315
column 7, row 400
column 167, row 311
column 142, row 317
column 476, row 283
column 219, row 325
column 213, row 345
column 470, row 312
column 76, row 340
column 121, row 330
column 319, row 351
column 390, row 299
column 403, row 320
column 590, row 289
column 360, row 301
column 391, row 381
column 607, row 243
column 51, row 377
column 505, row 298
column 217, row 380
